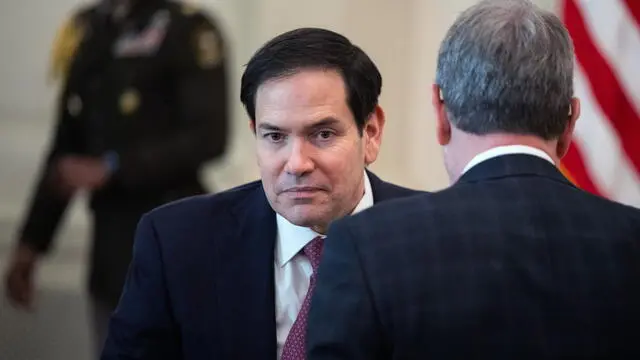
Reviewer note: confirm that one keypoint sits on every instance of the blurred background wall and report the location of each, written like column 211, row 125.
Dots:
column 401, row 36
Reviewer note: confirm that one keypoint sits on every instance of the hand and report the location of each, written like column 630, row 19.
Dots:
column 81, row 172
column 19, row 280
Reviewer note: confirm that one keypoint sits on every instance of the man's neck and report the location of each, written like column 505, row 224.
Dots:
column 323, row 228
column 469, row 146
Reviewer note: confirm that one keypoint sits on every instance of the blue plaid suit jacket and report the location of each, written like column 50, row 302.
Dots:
column 511, row 262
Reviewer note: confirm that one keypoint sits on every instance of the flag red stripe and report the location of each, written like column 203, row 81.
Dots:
column 634, row 9
column 605, row 86
column 578, row 171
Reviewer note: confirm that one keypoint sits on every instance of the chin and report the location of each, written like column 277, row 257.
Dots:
column 303, row 215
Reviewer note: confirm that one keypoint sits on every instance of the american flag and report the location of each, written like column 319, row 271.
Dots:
column 605, row 154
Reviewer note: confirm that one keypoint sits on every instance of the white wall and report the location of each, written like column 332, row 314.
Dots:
column 401, row 36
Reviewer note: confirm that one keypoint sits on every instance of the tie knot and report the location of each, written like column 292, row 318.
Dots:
column 313, row 250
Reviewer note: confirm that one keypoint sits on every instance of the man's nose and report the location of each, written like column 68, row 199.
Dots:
column 299, row 161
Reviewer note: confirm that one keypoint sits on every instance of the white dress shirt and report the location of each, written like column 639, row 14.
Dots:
column 293, row 269
column 506, row 150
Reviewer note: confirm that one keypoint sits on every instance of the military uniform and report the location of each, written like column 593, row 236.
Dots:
column 149, row 95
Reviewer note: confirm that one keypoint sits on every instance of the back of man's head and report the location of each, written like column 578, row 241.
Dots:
column 506, row 66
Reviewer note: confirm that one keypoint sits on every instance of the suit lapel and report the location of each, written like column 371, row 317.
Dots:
column 246, row 289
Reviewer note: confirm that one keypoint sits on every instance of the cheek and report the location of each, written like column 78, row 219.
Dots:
column 267, row 155
column 269, row 165
column 342, row 162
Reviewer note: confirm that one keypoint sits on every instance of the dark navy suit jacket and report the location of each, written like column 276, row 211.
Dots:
column 201, row 282
column 511, row 262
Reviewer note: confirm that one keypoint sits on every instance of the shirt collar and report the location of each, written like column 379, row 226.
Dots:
column 506, row 150
column 292, row 238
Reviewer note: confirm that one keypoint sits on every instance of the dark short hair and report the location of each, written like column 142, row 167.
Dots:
column 507, row 66
column 314, row 48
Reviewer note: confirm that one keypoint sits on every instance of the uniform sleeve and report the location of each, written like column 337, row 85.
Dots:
column 46, row 207
column 202, row 101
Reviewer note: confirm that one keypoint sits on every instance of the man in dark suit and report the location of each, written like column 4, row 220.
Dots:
column 510, row 262
column 229, row 276
column 143, row 108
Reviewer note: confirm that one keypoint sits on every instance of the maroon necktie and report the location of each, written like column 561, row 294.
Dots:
column 294, row 346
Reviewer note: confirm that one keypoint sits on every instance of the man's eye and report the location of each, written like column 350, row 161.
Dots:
column 275, row 137
column 325, row 134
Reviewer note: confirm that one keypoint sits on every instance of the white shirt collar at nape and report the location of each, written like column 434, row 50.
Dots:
column 506, row 150
column 292, row 238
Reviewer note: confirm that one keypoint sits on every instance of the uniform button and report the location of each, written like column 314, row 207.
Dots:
column 129, row 101
column 74, row 105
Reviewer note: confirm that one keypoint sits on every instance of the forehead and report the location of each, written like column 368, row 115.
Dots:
column 303, row 98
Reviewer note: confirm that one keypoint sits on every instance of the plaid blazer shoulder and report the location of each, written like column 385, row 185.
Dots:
column 511, row 262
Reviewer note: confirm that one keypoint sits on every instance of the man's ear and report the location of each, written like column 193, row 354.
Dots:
column 372, row 133
column 565, row 139
column 252, row 126
column 443, row 127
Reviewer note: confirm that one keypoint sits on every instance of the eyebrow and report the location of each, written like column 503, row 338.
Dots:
column 268, row 127
column 325, row 122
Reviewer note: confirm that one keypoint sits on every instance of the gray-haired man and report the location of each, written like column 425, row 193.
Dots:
column 512, row 261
